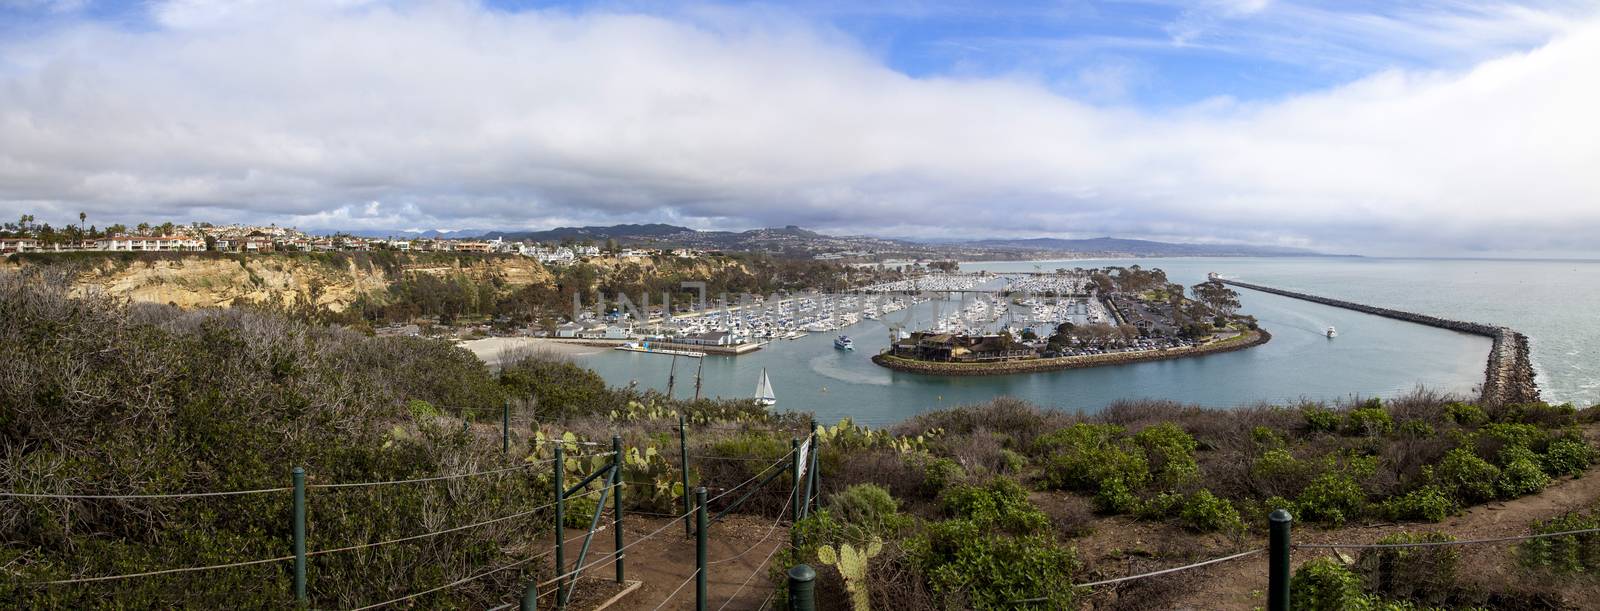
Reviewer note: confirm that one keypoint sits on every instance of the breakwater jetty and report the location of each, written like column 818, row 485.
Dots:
column 1507, row 377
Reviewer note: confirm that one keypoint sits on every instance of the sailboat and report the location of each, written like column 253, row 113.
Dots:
column 764, row 396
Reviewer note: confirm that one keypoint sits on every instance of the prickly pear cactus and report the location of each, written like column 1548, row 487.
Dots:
column 852, row 564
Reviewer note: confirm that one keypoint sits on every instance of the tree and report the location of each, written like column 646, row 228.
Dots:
column 143, row 228
column 1217, row 296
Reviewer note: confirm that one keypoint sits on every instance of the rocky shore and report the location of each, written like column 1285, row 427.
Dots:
column 1255, row 338
column 1507, row 378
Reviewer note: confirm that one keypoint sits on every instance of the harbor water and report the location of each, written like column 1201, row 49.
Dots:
column 1551, row 301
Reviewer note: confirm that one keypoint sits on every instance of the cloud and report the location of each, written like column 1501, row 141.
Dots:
column 453, row 115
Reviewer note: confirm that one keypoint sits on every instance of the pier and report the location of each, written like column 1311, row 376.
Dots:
column 1508, row 376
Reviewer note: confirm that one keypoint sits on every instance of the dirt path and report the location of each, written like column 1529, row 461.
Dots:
column 738, row 551
column 1239, row 585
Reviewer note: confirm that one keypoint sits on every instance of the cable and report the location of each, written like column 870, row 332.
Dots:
column 1440, row 543
column 440, row 532
column 576, row 571
column 449, row 585
column 40, row 495
column 433, row 479
column 164, row 572
column 675, row 592
column 764, row 561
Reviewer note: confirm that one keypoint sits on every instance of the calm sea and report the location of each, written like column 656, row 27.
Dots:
column 1553, row 302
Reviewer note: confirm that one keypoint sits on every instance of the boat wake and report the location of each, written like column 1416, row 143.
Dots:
column 829, row 365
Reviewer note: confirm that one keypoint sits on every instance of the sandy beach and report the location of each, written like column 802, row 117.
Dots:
column 491, row 349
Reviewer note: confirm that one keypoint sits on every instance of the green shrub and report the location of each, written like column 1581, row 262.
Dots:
column 1114, row 496
column 1465, row 414
column 1170, row 453
column 1000, row 504
column 1417, row 429
column 1568, row 553
column 1320, row 419
column 1322, row 584
column 1266, row 436
column 971, row 567
column 1086, row 456
column 1466, row 476
column 868, row 507
column 1415, row 574
column 1013, row 462
column 1332, row 497
column 1429, row 503
column 1369, row 421
column 1567, row 457
column 1521, row 477
column 1499, row 435
column 941, row 473
column 1205, row 512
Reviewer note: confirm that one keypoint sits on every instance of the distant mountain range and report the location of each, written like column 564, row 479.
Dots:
column 793, row 240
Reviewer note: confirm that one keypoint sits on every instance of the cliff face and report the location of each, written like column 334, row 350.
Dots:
column 331, row 281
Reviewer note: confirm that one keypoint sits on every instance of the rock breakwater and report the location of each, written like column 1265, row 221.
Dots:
column 1508, row 376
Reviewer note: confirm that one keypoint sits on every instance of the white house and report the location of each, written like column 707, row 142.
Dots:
column 18, row 245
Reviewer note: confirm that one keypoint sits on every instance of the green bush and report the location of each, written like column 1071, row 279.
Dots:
column 940, row 473
column 1567, row 457
column 1205, row 512
column 1000, row 504
column 1429, row 503
column 1320, row 419
column 1521, row 477
column 870, row 509
column 1417, row 429
column 1369, row 421
column 970, row 567
column 1322, row 584
column 1085, row 457
column 1574, row 554
column 1332, row 497
column 1465, row 414
column 1169, row 452
column 1424, row 575
column 1466, row 476
column 1501, row 435
column 1013, row 462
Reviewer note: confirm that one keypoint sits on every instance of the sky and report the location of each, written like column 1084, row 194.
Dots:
column 1434, row 128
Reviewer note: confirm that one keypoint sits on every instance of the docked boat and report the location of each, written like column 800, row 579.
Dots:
column 1332, row 333
column 633, row 347
column 764, row 396
column 843, row 342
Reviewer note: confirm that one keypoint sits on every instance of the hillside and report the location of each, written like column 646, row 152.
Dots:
column 331, row 281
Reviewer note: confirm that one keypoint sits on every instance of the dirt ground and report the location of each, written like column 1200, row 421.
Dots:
column 738, row 554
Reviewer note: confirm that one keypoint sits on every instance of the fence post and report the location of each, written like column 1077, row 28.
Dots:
column 683, row 450
column 530, row 596
column 616, row 501
column 802, row 588
column 505, row 427
column 1278, row 561
column 299, row 475
column 561, row 518
column 700, row 549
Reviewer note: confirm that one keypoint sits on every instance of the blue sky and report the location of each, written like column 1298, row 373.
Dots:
column 1435, row 128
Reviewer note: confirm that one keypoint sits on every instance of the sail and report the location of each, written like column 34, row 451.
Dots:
column 764, row 388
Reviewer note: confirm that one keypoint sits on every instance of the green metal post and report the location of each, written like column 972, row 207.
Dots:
column 700, row 549
column 505, row 427
column 802, row 588
column 561, row 518
column 616, row 502
column 1278, row 560
column 530, row 596
column 300, row 537
column 683, row 450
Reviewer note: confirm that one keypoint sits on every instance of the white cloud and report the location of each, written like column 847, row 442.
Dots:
column 454, row 115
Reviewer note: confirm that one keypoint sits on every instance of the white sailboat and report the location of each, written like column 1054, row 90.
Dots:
column 764, row 394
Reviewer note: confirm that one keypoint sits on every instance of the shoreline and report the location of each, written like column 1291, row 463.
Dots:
column 1039, row 365
column 1508, row 375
